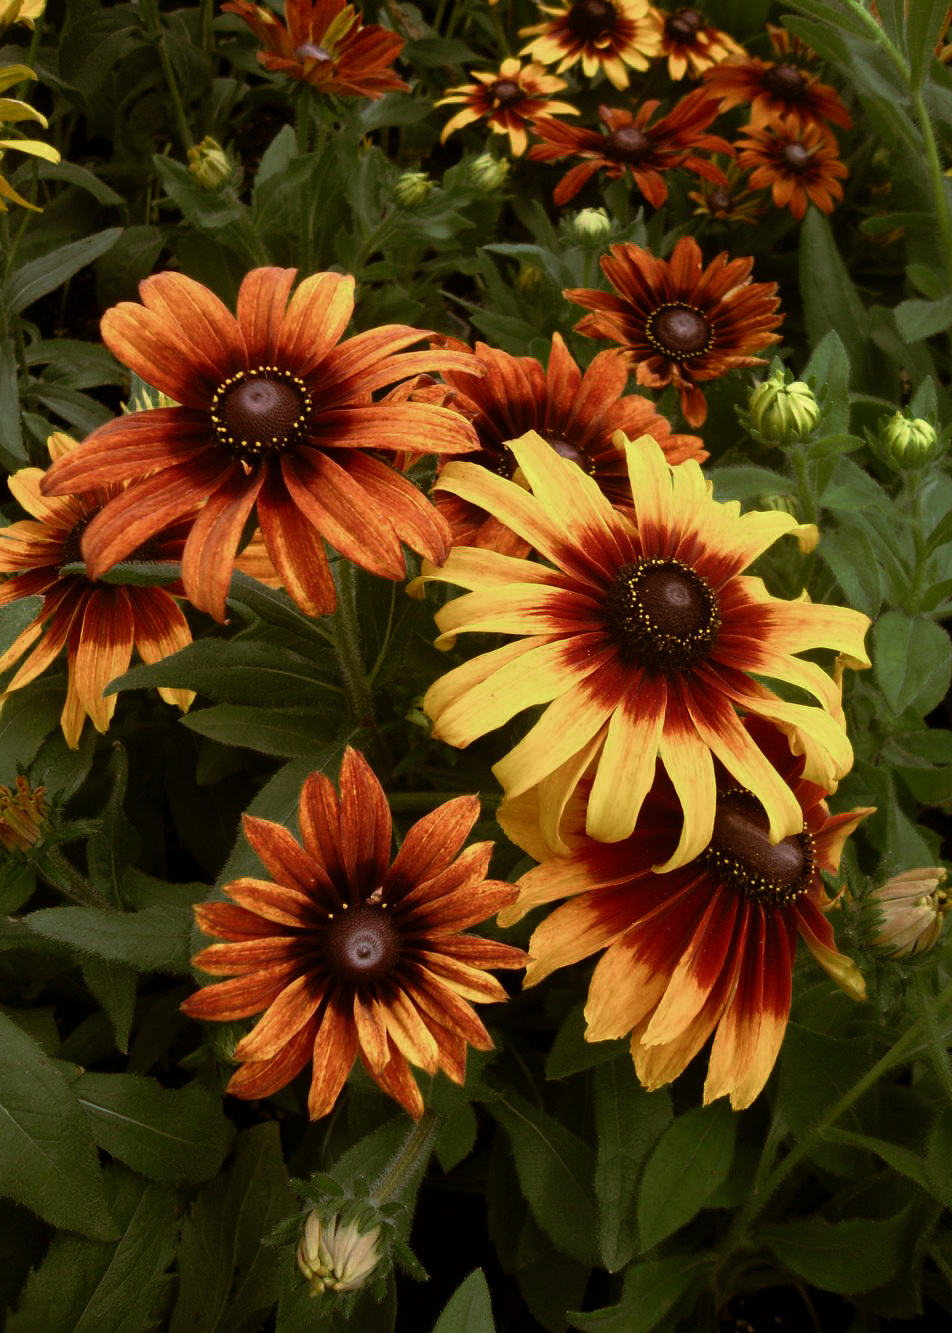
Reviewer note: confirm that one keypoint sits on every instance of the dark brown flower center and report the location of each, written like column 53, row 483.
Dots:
column 591, row 19
column 662, row 614
column 719, row 201
column 684, row 25
column 744, row 859
column 311, row 51
column 361, row 945
column 796, row 156
column 566, row 449
column 679, row 331
column 628, row 144
column 71, row 549
column 506, row 92
column 784, row 81
column 260, row 410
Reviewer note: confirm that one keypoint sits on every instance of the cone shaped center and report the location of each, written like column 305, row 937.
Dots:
column 629, row 144
column 662, row 614
column 679, row 330
column 719, row 201
column 685, row 25
column 264, row 409
column 361, row 945
column 784, row 81
column 506, row 92
column 744, row 858
column 796, row 156
column 592, row 18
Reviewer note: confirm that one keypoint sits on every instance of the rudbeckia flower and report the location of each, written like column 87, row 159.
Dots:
column 798, row 163
column 518, row 95
column 276, row 415
column 577, row 412
column 773, row 90
column 325, row 43
column 681, row 322
column 632, row 143
column 19, row 11
column 707, row 948
column 691, row 44
column 642, row 638
column 345, row 954
column 11, row 111
column 612, row 36
column 98, row 623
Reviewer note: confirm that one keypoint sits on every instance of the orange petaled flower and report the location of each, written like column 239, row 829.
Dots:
column 327, row 44
column 773, row 91
column 577, row 412
column 692, row 45
column 99, row 623
column 644, row 638
column 707, row 948
column 680, row 322
column 732, row 202
column 344, row 954
column 508, row 100
column 276, row 413
column 632, row 143
column 798, row 163
column 609, row 35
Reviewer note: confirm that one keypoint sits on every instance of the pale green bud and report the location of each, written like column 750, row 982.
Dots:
column 529, row 278
column 489, row 173
column 910, row 909
column 209, row 165
column 781, row 413
column 337, row 1256
column 908, row 444
column 413, row 189
column 591, row 226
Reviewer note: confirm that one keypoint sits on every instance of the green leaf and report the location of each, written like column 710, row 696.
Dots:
column 747, row 481
column 924, row 25
column 555, row 1170
column 274, row 607
column 830, row 301
column 691, row 1159
column 11, row 434
column 650, row 1293
column 114, row 846
column 15, row 616
column 113, row 986
column 571, row 1053
column 39, row 277
column 87, row 1286
column 235, row 672
column 848, row 554
column 916, row 320
column 912, row 661
column 846, row 1257
column 47, row 1158
column 469, row 1309
column 154, row 940
column 177, row 1136
column 289, row 734
column 939, row 1158
column 28, row 717
column 829, row 371
column 628, row 1123
column 903, row 1160
column 833, row 11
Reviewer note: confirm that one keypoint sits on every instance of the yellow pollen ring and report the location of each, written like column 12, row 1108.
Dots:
column 665, row 348
column 294, row 427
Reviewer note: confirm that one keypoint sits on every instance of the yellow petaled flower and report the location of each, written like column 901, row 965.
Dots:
column 11, row 111
column 19, row 11
column 910, row 910
column 22, row 816
column 509, row 100
column 645, row 639
column 691, row 45
column 337, row 1256
column 610, row 36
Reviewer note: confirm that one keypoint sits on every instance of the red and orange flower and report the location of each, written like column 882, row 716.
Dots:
column 645, row 639
column 708, row 947
column 611, row 36
column 679, row 322
column 277, row 415
column 327, row 44
column 99, row 624
column 692, row 45
column 345, row 954
column 577, row 412
column 799, row 164
column 775, row 90
column 508, row 101
column 633, row 143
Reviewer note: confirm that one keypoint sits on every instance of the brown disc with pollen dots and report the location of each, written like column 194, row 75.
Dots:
column 361, row 945
column 742, row 856
column 592, row 18
column 679, row 331
column 662, row 614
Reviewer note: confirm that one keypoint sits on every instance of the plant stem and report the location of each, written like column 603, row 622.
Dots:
column 348, row 649
column 63, row 875
column 150, row 11
column 410, row 1158
column 926, row 1008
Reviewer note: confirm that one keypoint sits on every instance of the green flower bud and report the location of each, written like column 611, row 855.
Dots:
column 336, row 1256
column 908, row 444
column 529, row 279
column 591, row 226
column 489, row 173
column 781, row 413
column 413, row 189
column 210, row 165
column 909, row 910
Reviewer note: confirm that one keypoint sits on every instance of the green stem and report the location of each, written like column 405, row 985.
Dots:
column 937, row 177
column 63, row 875
column 150, row 11
column 914, row 509
column 409, row 1160
column 348, row 649
column 810, row 509
column 926, row 1008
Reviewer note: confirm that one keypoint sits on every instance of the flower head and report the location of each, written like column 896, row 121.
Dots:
column 692, row 45
column 611, row 36
column 325, row 43
column 731, row 202
column 98, row 623
column 348, row 954
column 909, row 911
column 798, row 163
column 633, row 143
column 645, row 639
column 708, row 947
column 680, row 322
column 337, row 1255
column 276, row 414
column 578, row 413
column 508, row 101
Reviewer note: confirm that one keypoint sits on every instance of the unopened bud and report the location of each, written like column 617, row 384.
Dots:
column 591, row 226
column 908, row 444
column 337, row 1256
column 489, row 173
column 210, row 166
column 781, row 413
column 910, row 910
column 23, row 821
column 413, row 189
column 529, row 278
